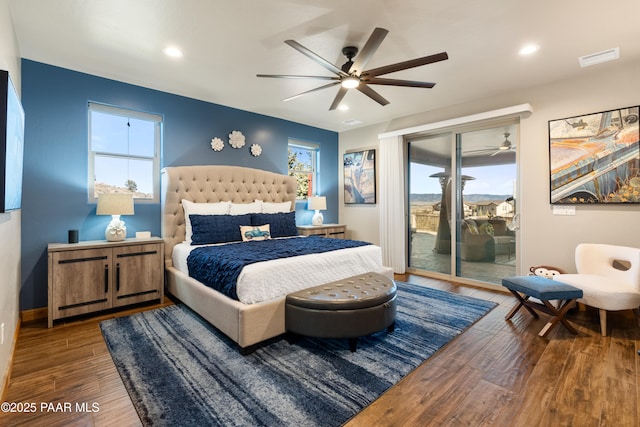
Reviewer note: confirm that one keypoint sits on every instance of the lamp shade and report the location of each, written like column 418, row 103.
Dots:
column 318, row 203
column 115, row 204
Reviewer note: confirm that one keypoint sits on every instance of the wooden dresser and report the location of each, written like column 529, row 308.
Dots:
column 337, row 231
column 91, row 276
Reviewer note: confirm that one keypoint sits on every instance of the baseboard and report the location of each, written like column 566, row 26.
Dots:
column 6, row 377
column 34, row 314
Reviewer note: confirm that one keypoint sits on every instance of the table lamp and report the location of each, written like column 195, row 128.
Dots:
column 115, row 205
column 317, row 203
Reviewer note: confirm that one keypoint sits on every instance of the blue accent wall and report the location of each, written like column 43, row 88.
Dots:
column 56, row 157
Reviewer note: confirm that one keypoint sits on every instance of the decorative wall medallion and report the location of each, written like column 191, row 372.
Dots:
column 256, row 150
column 236, row 139
column 217, row 144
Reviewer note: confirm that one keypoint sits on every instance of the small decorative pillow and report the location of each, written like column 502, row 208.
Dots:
column 191, row 208
column 270, row 207
column 255, row 232
column 486, row 228
column 472, row 227
column 281, row 224
column 209, row 229
column 245, row 208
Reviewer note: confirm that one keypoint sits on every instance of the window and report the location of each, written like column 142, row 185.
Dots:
column 124, row 147
column 303, row 164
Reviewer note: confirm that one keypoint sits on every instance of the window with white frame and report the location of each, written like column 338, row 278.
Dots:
column 303, row 165
column 124, row 152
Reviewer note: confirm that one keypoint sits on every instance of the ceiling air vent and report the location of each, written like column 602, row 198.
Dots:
column 352, row 122
column 599, row 57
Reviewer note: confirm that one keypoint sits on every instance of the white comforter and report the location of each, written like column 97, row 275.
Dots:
column 271, row 279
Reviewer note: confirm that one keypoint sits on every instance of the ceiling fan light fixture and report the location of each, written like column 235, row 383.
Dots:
column 350, row 82
column 506, row 145
column 354, row 73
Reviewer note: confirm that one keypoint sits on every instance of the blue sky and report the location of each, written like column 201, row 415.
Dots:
column 112, row 134
column 498, row 179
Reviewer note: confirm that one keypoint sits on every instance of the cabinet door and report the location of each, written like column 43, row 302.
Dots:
column 81, row 282
column 139, row 273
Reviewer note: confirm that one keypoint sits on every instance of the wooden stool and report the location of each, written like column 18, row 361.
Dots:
column 525, row 287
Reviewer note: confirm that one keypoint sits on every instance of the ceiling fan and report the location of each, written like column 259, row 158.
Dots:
column 505, row 147
column 352, row 74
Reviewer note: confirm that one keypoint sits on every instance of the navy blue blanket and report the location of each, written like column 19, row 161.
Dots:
column 219, row 266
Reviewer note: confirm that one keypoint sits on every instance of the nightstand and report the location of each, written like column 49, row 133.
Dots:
column 337, row 231
column 97, row 275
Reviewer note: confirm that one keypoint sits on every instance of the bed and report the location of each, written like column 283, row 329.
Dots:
column 248, row 324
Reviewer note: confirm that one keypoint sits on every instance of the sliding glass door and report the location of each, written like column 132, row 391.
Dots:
column 462, row 204
column 485, row 233
column 429, row 204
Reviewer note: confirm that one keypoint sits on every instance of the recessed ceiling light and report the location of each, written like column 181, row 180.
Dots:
column 343, row 107
column 173, row 52
column 528, row 49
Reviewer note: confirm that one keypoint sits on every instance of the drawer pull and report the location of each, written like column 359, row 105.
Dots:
column 118, row 277
column 66, row 307
column 93, row 258
column 106, row 279
column 136, row 254
column 137, row 294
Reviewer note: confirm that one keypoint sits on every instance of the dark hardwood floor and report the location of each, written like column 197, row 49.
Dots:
column 497, row 373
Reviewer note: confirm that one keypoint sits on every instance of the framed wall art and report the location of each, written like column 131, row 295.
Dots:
column 595, row 158
column 360, row 177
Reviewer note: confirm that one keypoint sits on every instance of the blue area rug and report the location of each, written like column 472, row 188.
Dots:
column 180, row 371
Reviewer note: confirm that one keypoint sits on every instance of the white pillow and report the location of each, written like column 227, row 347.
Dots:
column 190, row 208
column 269, row 207
column 245, row 208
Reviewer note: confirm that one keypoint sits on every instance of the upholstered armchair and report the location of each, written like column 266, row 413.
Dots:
column 609, row 277
column 502, row 236
column 477, row 244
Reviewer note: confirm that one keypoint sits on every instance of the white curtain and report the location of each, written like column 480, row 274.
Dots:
column 393, row 230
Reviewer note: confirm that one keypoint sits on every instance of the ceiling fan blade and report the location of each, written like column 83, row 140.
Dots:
column 372, row 94
column 394, row 82
column 369, row 48
column 481, row 151
column 412, row 63
column 504, row 150
column 293, row 76
column 338, row 99
column 320, row 60
column 312, row 90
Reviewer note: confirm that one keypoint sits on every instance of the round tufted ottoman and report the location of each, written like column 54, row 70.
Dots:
column 348, row 308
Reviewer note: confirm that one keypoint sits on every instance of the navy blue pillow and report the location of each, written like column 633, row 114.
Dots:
column 280, row 224
column 209, row 229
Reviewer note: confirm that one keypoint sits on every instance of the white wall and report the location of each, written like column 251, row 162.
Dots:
column 545, row 239
column 10, row 225
column 362, row 220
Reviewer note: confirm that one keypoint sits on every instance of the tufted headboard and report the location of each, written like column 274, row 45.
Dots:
column 211, row 184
